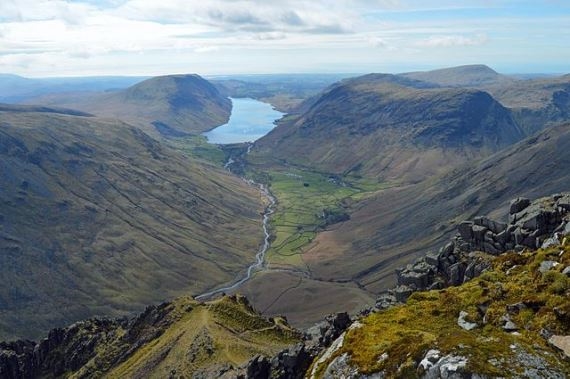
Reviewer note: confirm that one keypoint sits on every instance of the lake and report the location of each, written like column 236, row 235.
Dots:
column 249, row 121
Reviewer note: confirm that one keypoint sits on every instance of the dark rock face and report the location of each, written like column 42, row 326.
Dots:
column 69, row 349
column 530, row 225
column 293, row 363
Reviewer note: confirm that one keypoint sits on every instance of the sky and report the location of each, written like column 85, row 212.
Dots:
column 46, row 38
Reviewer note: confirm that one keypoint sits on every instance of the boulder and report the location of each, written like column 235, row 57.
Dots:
column 402, row 293
column 464, row 323
column 562, row 343
column 465, row 230
column 518, row 205
column 508, row 325
column 547, row 266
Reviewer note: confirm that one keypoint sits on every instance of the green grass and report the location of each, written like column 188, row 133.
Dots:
column 303, row 198
column 429, row 321
column 197, row 146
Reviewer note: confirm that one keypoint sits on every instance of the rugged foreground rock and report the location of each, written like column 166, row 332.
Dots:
column 470, row 253
column 183, row 337
column 494, row 302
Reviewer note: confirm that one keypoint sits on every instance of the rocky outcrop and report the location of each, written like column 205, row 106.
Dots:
column 62, row 351
column 530, row 225
column 293, row 362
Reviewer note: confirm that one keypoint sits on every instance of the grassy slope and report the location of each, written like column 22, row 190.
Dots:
column 289, row 287
column 97, row 218
column 394, row 225
column 185, row 103
column 372, row 127
column 429, row 320
column 214, row 334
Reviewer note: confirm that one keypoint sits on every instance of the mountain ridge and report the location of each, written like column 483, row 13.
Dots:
column 97, row 217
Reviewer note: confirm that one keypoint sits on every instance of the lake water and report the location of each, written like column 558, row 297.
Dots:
column 249, row 121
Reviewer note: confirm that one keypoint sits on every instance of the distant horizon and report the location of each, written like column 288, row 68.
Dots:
column 79, row 38
column 222, row 75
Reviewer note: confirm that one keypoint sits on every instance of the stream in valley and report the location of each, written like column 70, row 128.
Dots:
column 249, row 121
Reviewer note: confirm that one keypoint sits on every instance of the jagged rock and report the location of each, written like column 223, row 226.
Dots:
column 449, row 366
column 494, row 226
column 566, row 271
column 340, row 368
column 561, row 343
column 430, row 359
column 418, row 275
column 547, row 266
column 455, row 274
column 258, row 368
column 336, row 325
column 479, row 233
column 402, row 293
column 292, row 363
column 465, row 230
column 385, row 301
column 519, row 204
column 552, row 241
column 432, row 258
column 464, row 323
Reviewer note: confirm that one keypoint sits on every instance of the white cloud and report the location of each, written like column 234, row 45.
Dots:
column 206, row 49
column 94, row 36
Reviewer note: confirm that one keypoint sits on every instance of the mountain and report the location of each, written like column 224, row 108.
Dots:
column 178, row 338
column 536, row 103
column 396, row 224
column 476, row 75
column 98, row 218
column 15, row 89
column 173, row 104
column 389, row 127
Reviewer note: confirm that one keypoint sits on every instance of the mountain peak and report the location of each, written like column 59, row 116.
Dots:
column 461, row 76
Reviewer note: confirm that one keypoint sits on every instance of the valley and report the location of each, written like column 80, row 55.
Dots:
column 125, row 205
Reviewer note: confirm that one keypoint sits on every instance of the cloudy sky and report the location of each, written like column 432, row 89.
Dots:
column 151, row 37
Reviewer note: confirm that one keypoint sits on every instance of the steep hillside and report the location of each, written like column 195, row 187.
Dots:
column 166, row 104
column 395, row 224
column 386, row 127
column 390, row 226
column 97, row 218
column 462, row 76
column 536, row 103
column 182, row 338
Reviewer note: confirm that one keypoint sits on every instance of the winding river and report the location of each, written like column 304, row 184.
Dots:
column 250, row 120
column 260, row 256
